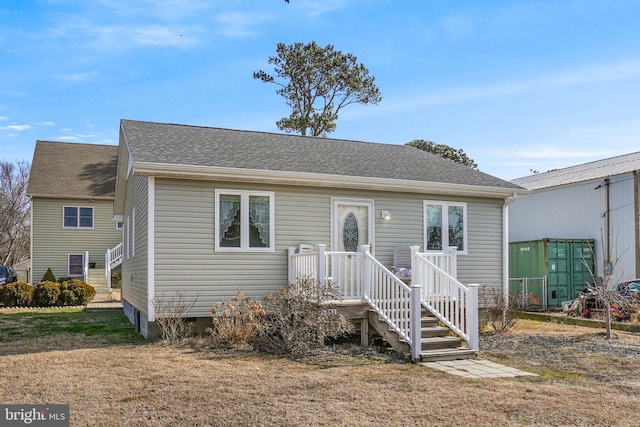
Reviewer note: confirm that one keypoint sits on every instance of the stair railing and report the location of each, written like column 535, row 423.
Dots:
column 453, row 303
column 112, row 259
column 388, row 296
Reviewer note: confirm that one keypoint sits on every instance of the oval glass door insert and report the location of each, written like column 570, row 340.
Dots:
column 350, row 233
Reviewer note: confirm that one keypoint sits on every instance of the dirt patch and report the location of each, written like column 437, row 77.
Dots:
column 584, row 380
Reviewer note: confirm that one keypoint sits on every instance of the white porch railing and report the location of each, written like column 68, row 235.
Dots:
column 453, row 303
column 112, row 259
column 434, row 286
column 390, row 297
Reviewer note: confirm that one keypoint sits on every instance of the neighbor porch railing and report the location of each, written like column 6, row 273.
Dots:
column 112, row 259
column 434, row 286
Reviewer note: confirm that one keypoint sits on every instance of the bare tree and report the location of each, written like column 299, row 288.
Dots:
column 14, row 212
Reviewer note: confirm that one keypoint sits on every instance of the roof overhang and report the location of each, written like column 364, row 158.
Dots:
column 320, row 180
column 70, row 196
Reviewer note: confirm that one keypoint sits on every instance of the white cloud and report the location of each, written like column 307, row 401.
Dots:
column 319, row 7
column 3, row 118
column 73, row 78
column 18, row 128
column 239, row 24
column 48, row 123
column 561, row 78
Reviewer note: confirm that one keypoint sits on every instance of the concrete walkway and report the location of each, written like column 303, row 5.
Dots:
column 105, row 301
column 475, row 368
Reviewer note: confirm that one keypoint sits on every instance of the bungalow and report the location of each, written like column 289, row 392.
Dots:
column 208, row 211
column 71, row 187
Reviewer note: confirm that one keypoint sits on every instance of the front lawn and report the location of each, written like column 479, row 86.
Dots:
column 93, row 362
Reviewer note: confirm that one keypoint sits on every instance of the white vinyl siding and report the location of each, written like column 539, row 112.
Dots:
column 135, row 267
column 186, row 259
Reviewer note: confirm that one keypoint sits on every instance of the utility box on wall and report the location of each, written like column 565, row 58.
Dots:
column 565, row 264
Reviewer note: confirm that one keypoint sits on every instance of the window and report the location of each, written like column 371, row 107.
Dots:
column 119, row 225
column 244, row 221
column 78, row 217
column 448, row 217
column 76, row 265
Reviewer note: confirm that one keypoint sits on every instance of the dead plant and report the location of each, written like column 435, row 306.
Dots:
column 236, row 322
column 171, row 314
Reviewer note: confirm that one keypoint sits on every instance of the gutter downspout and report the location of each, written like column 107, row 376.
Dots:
column 505, row 246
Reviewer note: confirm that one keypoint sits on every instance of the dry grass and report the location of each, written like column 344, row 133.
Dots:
column 584, row 380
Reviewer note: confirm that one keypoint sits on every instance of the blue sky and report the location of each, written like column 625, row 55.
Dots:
column 518, row 85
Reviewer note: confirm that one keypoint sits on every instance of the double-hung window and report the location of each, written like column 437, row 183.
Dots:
column 76, row 265
column 445, row 225
column 244, row 220
column 77, row 217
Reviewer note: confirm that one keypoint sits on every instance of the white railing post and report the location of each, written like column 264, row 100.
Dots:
column 85, row 268
column 453, row 262
column 473, row 326
column 291, row 273
column 415, row 268
column 320, row 270
column 107, row 270
column 415, row 320
column 366, row 272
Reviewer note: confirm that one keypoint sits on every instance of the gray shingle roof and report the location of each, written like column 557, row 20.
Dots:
column 61, row 169
column 176, row 144
column 580, row 173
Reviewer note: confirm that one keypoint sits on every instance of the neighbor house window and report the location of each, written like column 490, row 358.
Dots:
column 244, row 220
column 76, row 264
column 445, row 225
column 78, row 217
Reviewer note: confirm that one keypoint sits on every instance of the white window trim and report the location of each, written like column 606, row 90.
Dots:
column 93, row 217
column 69, row 265
column 133, row 232
column 128, row 234
column 244, row 219
column 445, row 225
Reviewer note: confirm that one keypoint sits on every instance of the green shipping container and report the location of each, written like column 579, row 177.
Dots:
column 567, row 265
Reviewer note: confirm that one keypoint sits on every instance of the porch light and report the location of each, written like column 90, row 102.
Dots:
column 385, row 215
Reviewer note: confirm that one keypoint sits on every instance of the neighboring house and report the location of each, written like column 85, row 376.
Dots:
column 23, row 268
column 596, row 200
column 209, row 211
column 71, row 187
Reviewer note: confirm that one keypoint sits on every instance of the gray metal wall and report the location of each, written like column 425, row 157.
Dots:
column 577, row 211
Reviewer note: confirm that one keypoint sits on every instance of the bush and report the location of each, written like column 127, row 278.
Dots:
column 171, row 315
column 300, row 317
column 237, row 322
column 47, row 294
column 501, row 312
column 18, row 294
column 75, row 292
column 48, row 276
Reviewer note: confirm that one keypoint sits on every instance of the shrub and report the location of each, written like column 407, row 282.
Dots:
column 170, row 314
column 236, row 322
column 75, row 292
column 18, row 294
column 48, row 276
column 300, row 316
column 501, row 312
column 47, row 294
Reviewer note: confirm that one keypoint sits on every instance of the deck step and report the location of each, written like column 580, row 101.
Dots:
column 437, row 343
column 434, row 331
column 447, row 354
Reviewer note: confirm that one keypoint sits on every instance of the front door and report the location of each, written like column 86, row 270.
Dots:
column 352, row 224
